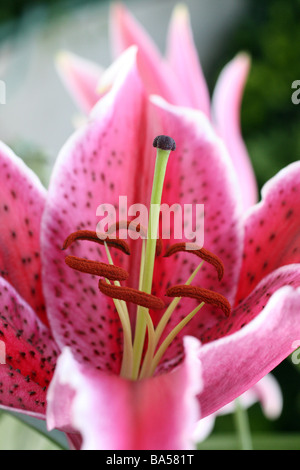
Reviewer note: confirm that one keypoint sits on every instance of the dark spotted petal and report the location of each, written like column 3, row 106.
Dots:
column 29, row 355
column 272, row 237
column 22, row 200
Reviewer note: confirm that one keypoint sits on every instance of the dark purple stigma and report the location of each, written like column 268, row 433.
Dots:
column 164, row 142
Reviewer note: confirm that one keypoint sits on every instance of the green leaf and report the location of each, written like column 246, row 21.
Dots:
column 21, row 432
column 260, row 442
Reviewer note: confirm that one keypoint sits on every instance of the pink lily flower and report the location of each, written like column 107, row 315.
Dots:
column 237, row 351
column 178, row 78
column 103, row 391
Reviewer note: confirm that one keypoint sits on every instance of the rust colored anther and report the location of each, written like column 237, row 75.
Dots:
column 93, row 236
column 203, row 295
column 135, row 227
column 131, row 295
column 200, row 252
column 114, row 273
column 127, row 225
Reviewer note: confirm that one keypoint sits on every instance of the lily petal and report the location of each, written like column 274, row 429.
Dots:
column 22, row 199
column 272, row 232
column 114, row 413
column 30, row 355
column 183, row 59
column 81, row 78
column 200, row 172
column 157, row 76
column 266, row 391
column 99, row 162
column 250, row 307
column 226, row 104
column 236, row 362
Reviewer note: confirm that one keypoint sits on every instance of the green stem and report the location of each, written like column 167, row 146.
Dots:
column 167, row 315
column 122, row 310
column 166, row 343
column 157, row 188
column 161, row 326
column 242, row 425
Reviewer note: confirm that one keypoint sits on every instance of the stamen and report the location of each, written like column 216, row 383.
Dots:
column 131, row 295
column 136, row 227
column 200, row 252
column 169, row 311
column 165, row 344
column 121, row 307
column 127, row 225
column 203, row 295
column 93, row 236
column 97, row 268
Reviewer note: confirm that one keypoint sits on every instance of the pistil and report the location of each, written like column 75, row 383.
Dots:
column 164, row 145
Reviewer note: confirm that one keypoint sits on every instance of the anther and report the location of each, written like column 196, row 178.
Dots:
column 93, row 236
column 131, row 295
column 202, row 295
column 164, row 142
column 114, row 273
column 200, row 252
column 127, row 225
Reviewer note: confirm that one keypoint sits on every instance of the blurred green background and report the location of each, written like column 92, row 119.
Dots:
column 270, row 121
column 270, row 32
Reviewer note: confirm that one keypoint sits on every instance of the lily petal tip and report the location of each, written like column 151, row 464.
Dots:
column 61, row 58
column 181, row 12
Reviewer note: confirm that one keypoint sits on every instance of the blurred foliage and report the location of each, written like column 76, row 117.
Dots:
column 35, row 157
column 15, row 435
column 285, row 430
column 14, row 9
column 13, row 13
column 270, row 123
column 270, row 33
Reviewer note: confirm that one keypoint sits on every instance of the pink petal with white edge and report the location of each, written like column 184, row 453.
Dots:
column 156, row 74
column 267, row 391
column 183, row 58
column 226, row 106
column 112, row 413
column 30, row 355
column 99, row 162
column 272, row 230
column 22, row 199
column 200, row 172
column 80, row 77
column 247, row 310
column 233, row 364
